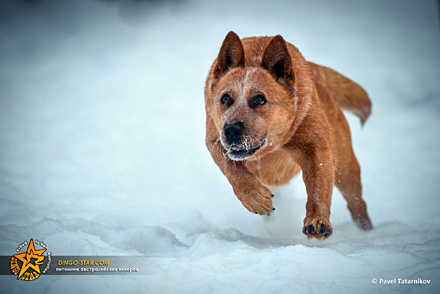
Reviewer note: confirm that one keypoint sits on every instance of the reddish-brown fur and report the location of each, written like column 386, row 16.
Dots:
column 300, row 127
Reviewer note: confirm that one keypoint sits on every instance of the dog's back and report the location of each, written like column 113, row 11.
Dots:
column 347, row 94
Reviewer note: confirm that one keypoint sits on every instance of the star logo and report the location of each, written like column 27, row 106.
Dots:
column 30, row 263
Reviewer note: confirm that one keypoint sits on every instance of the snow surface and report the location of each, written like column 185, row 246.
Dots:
column 102, row 146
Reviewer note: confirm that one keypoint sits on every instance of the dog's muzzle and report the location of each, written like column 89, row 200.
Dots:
column 238, row 148
column 233, row 133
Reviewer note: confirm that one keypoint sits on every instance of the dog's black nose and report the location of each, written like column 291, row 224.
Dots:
column 233, row 133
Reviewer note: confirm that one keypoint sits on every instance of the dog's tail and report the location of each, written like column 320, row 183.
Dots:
column 347, row 94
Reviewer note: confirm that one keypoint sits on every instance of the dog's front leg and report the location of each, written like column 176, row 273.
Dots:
column 318, row 170
column 248, row 189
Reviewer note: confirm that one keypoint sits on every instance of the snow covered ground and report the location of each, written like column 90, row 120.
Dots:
column 102, row 146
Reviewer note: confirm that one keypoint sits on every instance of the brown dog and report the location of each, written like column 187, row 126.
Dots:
column 271, row 114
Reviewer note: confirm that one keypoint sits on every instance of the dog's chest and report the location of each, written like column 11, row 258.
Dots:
column 275, row 169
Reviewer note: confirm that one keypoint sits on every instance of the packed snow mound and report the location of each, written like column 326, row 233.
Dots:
column 229, row 260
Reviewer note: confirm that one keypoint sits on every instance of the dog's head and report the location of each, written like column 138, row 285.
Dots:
column 251, row 96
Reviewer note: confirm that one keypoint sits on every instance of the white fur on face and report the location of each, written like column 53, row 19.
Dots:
column 243, row 86
column 246, row 83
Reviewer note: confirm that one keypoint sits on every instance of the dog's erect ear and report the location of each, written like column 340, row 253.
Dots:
column 231, row 55
column 276, row 59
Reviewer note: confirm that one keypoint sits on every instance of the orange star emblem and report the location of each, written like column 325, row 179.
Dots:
column 31, row 259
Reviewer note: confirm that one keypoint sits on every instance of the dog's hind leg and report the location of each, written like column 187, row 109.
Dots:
column 347, row 171
column 348, row 181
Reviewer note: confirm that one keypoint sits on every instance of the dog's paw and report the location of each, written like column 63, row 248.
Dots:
column 363, row 222
column 317, row 228
column 257, row 200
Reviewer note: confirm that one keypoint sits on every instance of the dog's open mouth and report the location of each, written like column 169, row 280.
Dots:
column 241, row 152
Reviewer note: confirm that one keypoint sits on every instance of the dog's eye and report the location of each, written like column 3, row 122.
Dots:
column 226, row 99
column 259, row 100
